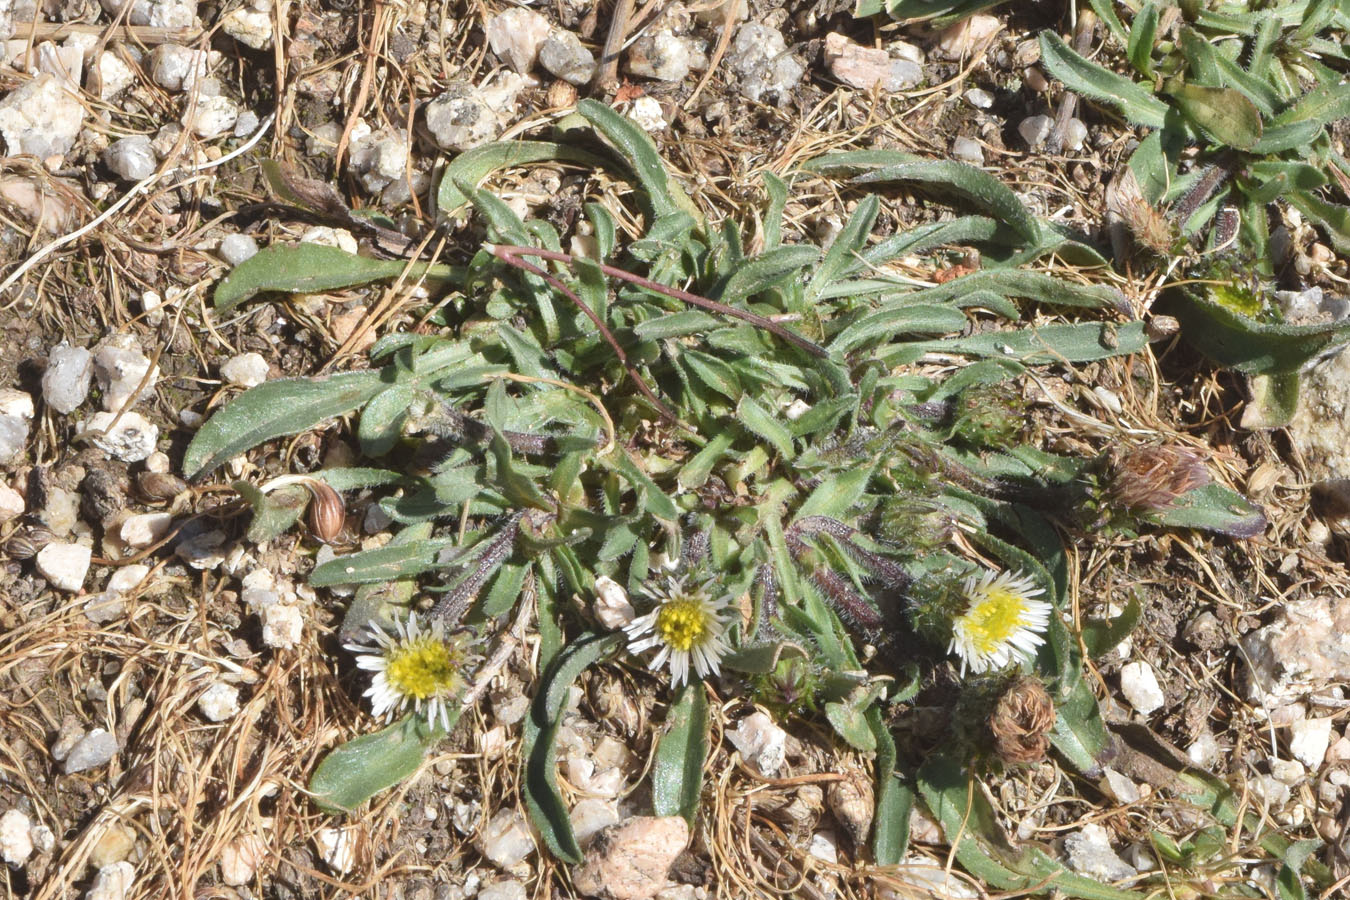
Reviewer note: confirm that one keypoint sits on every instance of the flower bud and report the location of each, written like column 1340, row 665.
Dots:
column 1022, row 721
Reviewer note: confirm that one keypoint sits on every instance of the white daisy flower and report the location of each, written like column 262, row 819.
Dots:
column 688, row 624
column 1001, row 621
column 417, row 667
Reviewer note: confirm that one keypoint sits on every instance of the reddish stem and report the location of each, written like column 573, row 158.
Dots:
column 502, row 251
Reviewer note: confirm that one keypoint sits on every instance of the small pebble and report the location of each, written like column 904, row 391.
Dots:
column 506, row 839
column 11, row 503
column 611, row 608
column 70, row 371
column 235, row 248
column 245, row 370
column 761, row 743
column 16, row 842
column 591, row 815
column 646, row 112
column 1140, row 686
column 112, row 882
column 240, row 858
column 96, row 748
column 282, row 626
column 144, row 529
column 64, row 565
column 113, row 846
column 515, row 36
column 131, row 439
column 219, row 702
column 564, row 56
column 131, row 158
column 1035, row 129
column 510, row 889
column 16, row 417
column 763, row 66
column 968, row 151
column 1075, row 135
column 979, row 98
column 662, row 55
column 337, row 846
column 1308, row 741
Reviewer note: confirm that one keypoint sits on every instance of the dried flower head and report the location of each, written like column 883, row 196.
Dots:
column 689, row 624
column 417, row 667
column 1001, row 621
column 1150, row 479
column 327, row 512
column 1021, row 722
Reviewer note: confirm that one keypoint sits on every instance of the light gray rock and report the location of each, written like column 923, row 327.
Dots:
column 120, row 367
column 515, row 36
column 764, row 69
column 662, row 55
column 1140, row 686
column 460, row 120
column 95, row 749
column 245, row 370
column 64, row 565
column 506, row 839
column 979, row 98
column 210, row 117
column 508, row 889
column 12, row 504
column 235, row 248
column 112, row 882
column 70, row 371
column 1035, row 129
column 1309, row 740
column 131, row 158
column 564, row 56
column 1089, row 853
column 632, row 860
column 968, row 151
column 1075, row 135
column 591, row 815
column 160, row 13
column 40, row 118
column 61, row 511
column 865, row 68
column 178, row 68
column 16, row 417
column 219, row 702
column 16, row 841
column 380, row 159
column 250, row 27
column 127, row 436
column 1303, row 651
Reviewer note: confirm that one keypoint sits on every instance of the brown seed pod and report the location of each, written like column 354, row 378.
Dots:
column 851, row 802
column 1150, row 479
column 562, row 95
column 26, row 544
column 159, row 486
column 327, row 512
column 1021, row 722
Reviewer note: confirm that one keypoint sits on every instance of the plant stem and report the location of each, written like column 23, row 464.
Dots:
column 511, row 254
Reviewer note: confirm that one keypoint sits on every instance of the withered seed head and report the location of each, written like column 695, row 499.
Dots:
column 1150, row 479
column 327, row 512
column 1021, row 722
column 160, row 485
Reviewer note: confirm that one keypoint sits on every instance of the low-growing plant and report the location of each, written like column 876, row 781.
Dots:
column 738, row 467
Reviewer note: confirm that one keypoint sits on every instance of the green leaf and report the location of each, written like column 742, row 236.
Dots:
column 274, row 513
column 1078, row 342
column 1140, row 47
column 696, row 470
column 351, row 478
column 690, row 321
column 776, row 188
column 310, row 268
column 762, row 423
column 382, row 420
column 895, row 800
column 1222, row 114
column 982, row 189
column 361, row 768
column 1255, row 348
column 393, row 560
column 275, row 409
column 677, row 770
column 472, row 166
column 1274, row 401
column 896, row 319
column 769, row 269
column 850, row 241
column 378, row 603
column 1214, row 508
column 849, row 717
column 543, row 800
column 1079, row 735
column 505, row 590
column 1100, row 636
column 1135, row 102
column 640, row 154
column 761, row 659
column 836, row 495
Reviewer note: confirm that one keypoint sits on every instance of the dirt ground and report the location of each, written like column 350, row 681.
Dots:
column 207, row 809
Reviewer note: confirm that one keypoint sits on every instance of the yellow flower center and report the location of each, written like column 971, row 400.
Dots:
column 993, row 617
column 422, row 668
column 682, row 624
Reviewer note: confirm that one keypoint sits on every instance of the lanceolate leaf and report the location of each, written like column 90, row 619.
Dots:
column 1223, row 114
column 472, row 166
column 393, row 560
column 309, row 268
column 361, row 768
column 275, row 409
column 1215, row 508
column 677, row 771
column 1135, row 102
column 1234, row 340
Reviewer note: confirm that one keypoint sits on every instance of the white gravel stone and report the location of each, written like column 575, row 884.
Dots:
column 761, row 743
column 131, row 158
column 337, row 846
column 94, row 749
column 632, row 859
column 160, row 13
column 968, row 151
column 1140, row 686
column 235, row 248
column 646, row 112
column 459, row 119
column 131, row 439
column 591, row 815
column 114, row 75
column 210, row 117
column 612, row 609
column 112, row 882
column 282, row 626
column 865, row 68
column 380, row 159
column 16, row 417
column 1305, row 649
column 245, row 370
column 662, row 55
column 564, row 56
column 219, row 702
column 70, row 371
column 506, row 839
column 1308, row 741
column 12, row 504
column 177, row 68
column 40, row 118
column 61, row 512
column 515, row 36
column 1035, row 129
column 1075, row 135
column 248, row 26
column 979, row 98
column 240, row 858
column 507, row 889
column 325, row 236
column 824, row 846
column 967, row 36
column 203, row 551
column 1204, row 752
column 926, row 878
column 763, row 66
column 120, row 367
column 16, row 841
column 64, row 565
column 144, row 529
column 1089, row 853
